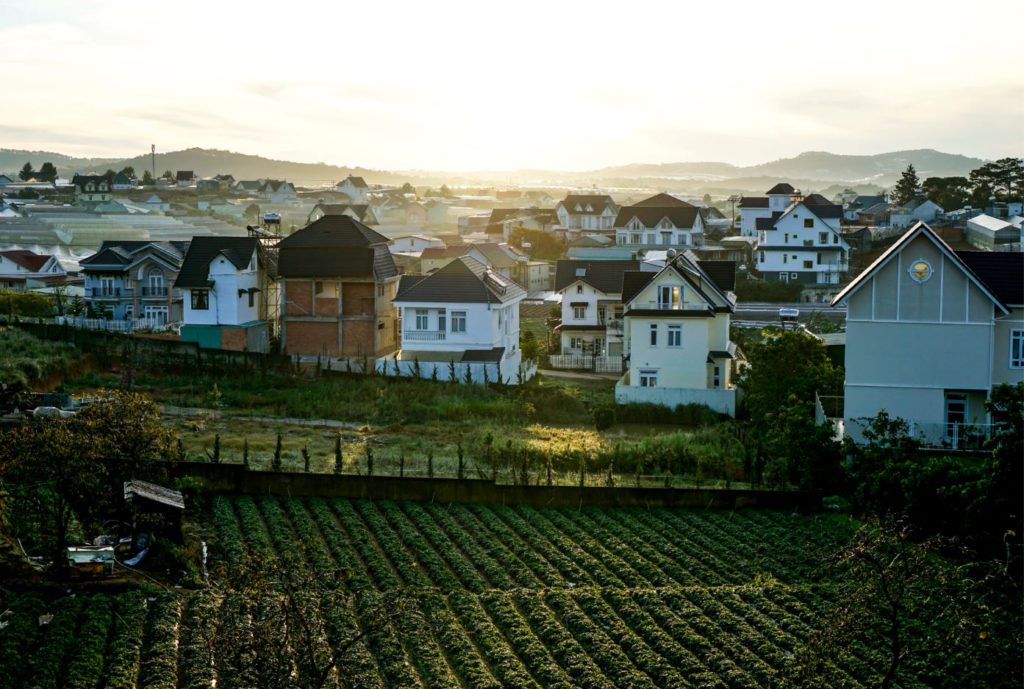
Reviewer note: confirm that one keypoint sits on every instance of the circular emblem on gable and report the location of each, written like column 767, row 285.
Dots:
column 920, row 270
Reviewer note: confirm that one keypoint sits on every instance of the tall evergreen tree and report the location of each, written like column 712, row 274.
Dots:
column 907, row 188
column 27, row 172
column 47, row 172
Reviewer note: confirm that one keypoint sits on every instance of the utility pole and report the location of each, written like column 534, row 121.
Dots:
column 152, row 161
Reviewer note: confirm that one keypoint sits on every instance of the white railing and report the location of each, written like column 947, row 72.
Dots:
column 423, row 335
column 120, row 326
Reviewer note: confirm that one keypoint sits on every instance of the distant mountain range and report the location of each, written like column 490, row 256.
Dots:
column 813, row 170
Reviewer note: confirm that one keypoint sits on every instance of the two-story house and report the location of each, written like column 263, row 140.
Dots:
column 591, row 293
column 929, row 332
column 219, row 279
column 277, row 191
column 356, row 188
column 754, row 208
column 661, row 221
column 131, row 280
column 465, row 312
column 803, row 244
column 337, row 282
column 587, row 212
column 362, row 213
column 676, row 327
column 92, row 188
column 20, row 268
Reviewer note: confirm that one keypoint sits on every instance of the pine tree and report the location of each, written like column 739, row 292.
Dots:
column 276, row 464
column 907, row 188
column 26, row 173
column 245, row 453
column 305, row 458
column 338, row 464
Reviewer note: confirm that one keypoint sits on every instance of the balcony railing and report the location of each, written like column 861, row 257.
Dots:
column 151, row 291
column 103, row 292
column 423, row 335
column 668, row 306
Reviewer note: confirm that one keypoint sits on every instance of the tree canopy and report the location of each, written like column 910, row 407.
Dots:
column 26, row 173
column 907, row 188
column 47, row 173
column 1004, row 178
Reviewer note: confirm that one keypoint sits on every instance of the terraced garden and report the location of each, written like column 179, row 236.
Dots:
column 497, row 597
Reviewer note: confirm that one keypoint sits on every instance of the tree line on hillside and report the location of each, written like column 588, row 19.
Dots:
column 1002, row 180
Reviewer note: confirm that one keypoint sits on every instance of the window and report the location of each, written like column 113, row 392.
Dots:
column 819, row 258
column 808, row 265
column 785, row 238
column 422, row 319
column 835, row 239
column 458, row 321
column 808, row 222
column 648, row 378
column 669, row 297
column 675, row 336
column 575, row 343
column 252, row 298
column 823, row 238
column 785, row 258
column 1017, row 349
column 716, row 377
column 579, row 289
column 380, row 290
column 794, row 276
column 200, row 299
column 634, row 238
column 760, row 256
column 654, row 334
column 442, row 320
column 579, row 312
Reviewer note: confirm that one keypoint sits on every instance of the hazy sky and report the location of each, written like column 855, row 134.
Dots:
column 502, row 85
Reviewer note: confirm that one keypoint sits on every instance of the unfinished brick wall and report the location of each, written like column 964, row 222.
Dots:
column 358, row 298
column 234, row 339
column 298, row 297
column 359, row 337
column 312, row 338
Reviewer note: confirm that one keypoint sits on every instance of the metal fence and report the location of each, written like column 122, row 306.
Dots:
column 587, row 362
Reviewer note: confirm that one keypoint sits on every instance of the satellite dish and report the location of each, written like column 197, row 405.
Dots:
column 670, row 254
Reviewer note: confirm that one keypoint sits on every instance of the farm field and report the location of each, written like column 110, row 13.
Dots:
column 491, row 596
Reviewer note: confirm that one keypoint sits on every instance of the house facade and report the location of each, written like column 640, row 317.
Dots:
column 337, row 281
column 20, row 267
column 92, row 188
column 909, row 213
column 355, row 188
column 676, row 335
column 220, row 284
column 277, row 191
column 662, row 222
column 587, row 212
column 591, row 293
column 929, row 332
column 803, row 244
column 463, row 313
column 132, row 280
column 754, row 208
column 362, row 213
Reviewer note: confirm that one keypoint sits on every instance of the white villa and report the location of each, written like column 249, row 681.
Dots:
column 356, row 189
column 591, row 324
column 929, row 332
column 775, row 200
column 587, row 212
column 661, row 221
column 464, row 315
column 220, row 282
column 803, row 244
column 677, row 334
column 21, row 269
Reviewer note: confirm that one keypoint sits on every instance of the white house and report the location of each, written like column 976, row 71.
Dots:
column 591, row 293
column 929, row 332
column 587, row 212
column 676, row 327
column 775, row 201
column 277, row 191
column 660, row 221
column 413, row 243
column 465, row 313
column 92, row 188
column 20, row 267
column 220, row 281
column 909, row 213
column 362, row 213
column 356, row 188
column 803, row 244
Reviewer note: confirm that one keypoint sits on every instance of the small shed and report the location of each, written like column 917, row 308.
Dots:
column 152, row 499
column 89, row 561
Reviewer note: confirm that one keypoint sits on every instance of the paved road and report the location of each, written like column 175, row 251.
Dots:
column 763, row 311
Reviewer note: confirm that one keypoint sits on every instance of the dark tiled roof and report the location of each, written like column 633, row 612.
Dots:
column 649, row 216
column 357, row 182
column 463, row 281
column 816, row 200
column 605, row 276
column 120, row 252
column 542, row 216
column 184, row 175
column 195, row 269
column 1002, row 272
column 26, row 259
column 273, row 185
column 722, row 273
column 336, row 246
column 597, row 203
column 444, row 251
column 633, row 281
column 826, row 210
column 663, row 201
column 497, row 255
column 865, row 202
column 781, row 188
column 339, row 209
column 754, row 202
column 82, row 180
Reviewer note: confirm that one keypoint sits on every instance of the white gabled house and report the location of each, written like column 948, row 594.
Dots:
column 356, row 188
column 21, row 269
column 929, row 332
column 662, row 221
column 220, row 282
column 917, row 209
column 803, row 244
column 278, row 191
column 677, row 334
column 591, row 293
column 587, row 212
column 463, row 316
column 758, row 208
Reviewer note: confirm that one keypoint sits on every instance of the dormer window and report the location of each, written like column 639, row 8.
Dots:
column 90, row 187
column 666, row 224
column 578, row 208
column 590, row 209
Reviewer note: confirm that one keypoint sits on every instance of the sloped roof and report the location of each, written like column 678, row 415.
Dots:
column 866, row 201
column 989, row 223
column 597, row 203
column 184, row 175
column 1001, row 271
column 333, row 231
column 650, row 216
column 195, row 269
column 722, row 274
column 633, row 281
column 154, row 493
column 604, row 276
column 816, row 200
column 249, row 184
column 28, row 260
column 339, row 209
column 357, row 182
column 274, row 185
column 544, row 216
column 663, row 201
column 444, row 251
column 497, row 255
column 753, row 202
column 782, row 188
column 463, row 281
column 121, row 252
column 336, row 246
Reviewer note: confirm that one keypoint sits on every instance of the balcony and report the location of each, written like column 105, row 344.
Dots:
column 423, row 336
column 104, row 292
column 613, row 325
column 149, row 292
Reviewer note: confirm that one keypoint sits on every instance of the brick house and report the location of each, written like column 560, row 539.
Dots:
column 337, row 281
